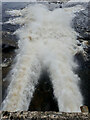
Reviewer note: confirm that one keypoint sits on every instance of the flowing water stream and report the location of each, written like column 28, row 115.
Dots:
column 47, row 42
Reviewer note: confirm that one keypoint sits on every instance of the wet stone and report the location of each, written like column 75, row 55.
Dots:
column 9, row 46
column 43, row 97
column 9, row 40
column 81, row 23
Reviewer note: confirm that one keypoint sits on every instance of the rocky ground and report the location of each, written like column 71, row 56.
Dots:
column 44, row 116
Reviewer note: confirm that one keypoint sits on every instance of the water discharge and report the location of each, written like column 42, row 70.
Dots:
column 46, row 41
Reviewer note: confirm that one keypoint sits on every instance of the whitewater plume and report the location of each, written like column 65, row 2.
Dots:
column 46, row 41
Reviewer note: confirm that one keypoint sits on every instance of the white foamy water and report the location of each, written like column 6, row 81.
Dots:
column 79, row 0
column 46, row 41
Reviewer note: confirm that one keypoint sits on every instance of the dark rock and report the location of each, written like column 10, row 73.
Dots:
column 9, row 40
column 7, row 48
column 9, row 45
column 5, row 84
column 84, row 109
column 81, row 23
column 43, row 97
column 9, row 27
column 83, row 72
column 6, row 113
column 6, row 63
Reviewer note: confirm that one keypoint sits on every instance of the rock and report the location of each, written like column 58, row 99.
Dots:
column 81, row 23
column 7, row 48
column 5, row 84
column 84, row 109
column 43, row 98
column 43, row 116
column 9, row 27
column 9, row 45
column 9, row 41
column 6, row 63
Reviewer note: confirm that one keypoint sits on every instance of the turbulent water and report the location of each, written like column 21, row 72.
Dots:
column 46, row 42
